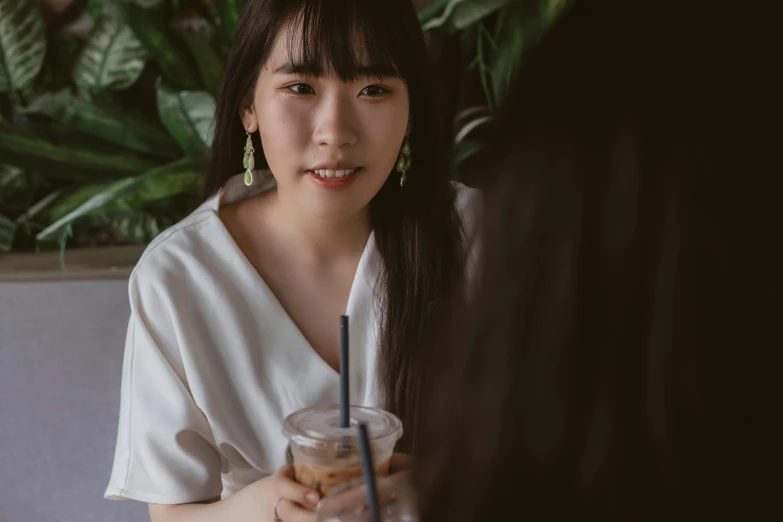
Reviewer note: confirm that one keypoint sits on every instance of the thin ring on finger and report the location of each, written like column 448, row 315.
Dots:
column 277, row 517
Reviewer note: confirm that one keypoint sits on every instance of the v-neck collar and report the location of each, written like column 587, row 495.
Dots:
column 360, row 298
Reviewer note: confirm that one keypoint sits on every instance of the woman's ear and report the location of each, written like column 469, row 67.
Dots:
column 249, row 120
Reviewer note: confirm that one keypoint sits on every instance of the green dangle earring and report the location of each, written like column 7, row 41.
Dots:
column 404, row 160
column 249, row 161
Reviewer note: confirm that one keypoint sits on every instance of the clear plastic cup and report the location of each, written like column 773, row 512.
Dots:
column 326, row 455
column 348, row 501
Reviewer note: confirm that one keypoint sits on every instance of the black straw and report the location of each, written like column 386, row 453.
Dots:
column 369, row 474
column 345, row 396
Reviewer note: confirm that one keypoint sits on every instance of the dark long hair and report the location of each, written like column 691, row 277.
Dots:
column 622, row 357
column 417, row 229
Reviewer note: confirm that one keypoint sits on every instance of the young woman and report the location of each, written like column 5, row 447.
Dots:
column 235, row 310
column 622, row 359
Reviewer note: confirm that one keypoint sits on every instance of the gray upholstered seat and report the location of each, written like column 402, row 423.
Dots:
column 61, row 347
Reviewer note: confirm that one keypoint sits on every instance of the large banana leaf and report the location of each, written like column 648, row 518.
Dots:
column 26, row 150
column 225, row 14
column 180, row 177
column 189, row 117
column 112, row 58
column 7, row 233
column 151, row 26
column 459, row 14
column 22, row 43
column 106, row 123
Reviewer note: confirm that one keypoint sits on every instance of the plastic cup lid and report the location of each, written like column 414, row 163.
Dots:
column 321, row 424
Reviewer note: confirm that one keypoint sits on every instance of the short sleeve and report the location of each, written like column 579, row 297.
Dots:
column 165, row 452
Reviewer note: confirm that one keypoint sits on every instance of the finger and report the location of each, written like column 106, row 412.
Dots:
column 286, row 487
column 291, row 512
column 354, row 498
column 343, row 502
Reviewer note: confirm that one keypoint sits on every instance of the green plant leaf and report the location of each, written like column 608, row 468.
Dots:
column 521, row 25
column 19, row 190
column 9, row 176
column 510, row 34
column 7, row 233
column 62, row 202
column 459, row 14
column 463, row 151
column 62, row 51
column 197, row 34
column 95, row 7
column 106, row 123
column 22, row 43
column 161, row 183
column 151, row 26
column 39, row 208
column 475, row 111
column 64, row 237
column 112, row 58
column 149, row 4
column 470, row 126
column 101, row 195
column 141, row 227
column 225, row 14
column 14, row 186
column 25, row 149
column 189, row 117
column 435, row 9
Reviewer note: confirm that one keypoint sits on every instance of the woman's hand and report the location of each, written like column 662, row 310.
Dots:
column 295, row 502
column 348, row 502
column 253, row 503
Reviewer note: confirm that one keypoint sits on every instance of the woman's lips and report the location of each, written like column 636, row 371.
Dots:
column 333, row 173
column 333, row 178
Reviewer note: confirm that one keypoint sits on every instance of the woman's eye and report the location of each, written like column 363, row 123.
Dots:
column 373, row 90
column 301, row 88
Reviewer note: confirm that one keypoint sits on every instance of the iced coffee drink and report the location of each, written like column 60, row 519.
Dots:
column 326, row 455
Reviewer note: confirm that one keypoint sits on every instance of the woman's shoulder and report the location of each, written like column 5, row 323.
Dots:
column 173, row 252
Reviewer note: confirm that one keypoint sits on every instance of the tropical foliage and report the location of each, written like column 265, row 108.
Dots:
column 106, row 116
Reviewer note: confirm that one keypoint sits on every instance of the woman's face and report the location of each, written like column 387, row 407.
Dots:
column 330, row 145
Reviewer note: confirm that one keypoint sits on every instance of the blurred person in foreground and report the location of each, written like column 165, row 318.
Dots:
column 621, row 359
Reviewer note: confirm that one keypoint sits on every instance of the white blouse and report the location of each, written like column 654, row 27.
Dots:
column 213, row 363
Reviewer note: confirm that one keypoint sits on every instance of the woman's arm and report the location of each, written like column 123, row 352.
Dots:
column 254, row 503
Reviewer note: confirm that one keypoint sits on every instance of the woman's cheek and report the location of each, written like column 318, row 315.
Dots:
column 285, row 126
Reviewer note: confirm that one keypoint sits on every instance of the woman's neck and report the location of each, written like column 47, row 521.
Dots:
column 319, row 241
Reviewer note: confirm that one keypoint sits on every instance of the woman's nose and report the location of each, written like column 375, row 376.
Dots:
column 335, row 124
